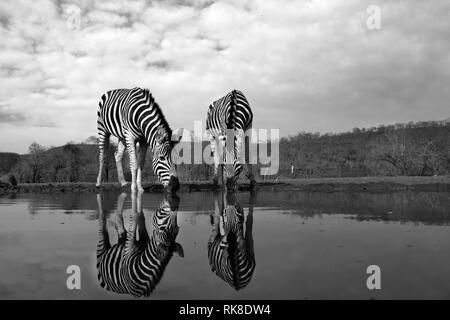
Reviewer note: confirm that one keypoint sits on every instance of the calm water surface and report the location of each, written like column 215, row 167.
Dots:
column 269, row 245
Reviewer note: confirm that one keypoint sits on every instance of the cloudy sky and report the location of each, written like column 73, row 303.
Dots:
column 303, row 65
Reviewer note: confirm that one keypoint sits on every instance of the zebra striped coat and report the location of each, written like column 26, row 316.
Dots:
column 227, row 121
column 230, row 251
column 133, row 266
column 134, row 117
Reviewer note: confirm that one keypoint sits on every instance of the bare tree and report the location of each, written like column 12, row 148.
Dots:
column 408, row 155
column 21, row 169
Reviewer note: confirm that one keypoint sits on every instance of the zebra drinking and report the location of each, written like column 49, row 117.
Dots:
column 227, row 122
column 230, row 250
column 136, row 263
column 134, row 117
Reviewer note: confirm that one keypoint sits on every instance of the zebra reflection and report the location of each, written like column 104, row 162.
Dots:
column 136, row 263
column 230, row 248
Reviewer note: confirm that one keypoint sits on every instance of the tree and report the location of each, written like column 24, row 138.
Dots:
column 396, row 149
column 409, row 153
column 21, row 170
column 110, row 163
column 57, row 162
column 36, row 161
column 91, row 140
column 72, row 154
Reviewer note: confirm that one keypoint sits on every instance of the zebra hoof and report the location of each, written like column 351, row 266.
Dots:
column 123, row 186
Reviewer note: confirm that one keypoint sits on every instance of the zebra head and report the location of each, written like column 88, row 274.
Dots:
column 163, row 164
column 231, row 145
column 166, row 228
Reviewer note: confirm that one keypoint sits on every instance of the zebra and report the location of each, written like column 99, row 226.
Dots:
column 229, row 117
column 134, row 117
column 230, row 251
column 136, row 263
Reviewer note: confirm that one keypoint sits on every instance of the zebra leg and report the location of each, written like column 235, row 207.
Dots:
column 103, row 244
column 131, row 234
column 103, row 238
column 118, row 156
column 215, row 218
column 222, row 216
column 216, row 166
column 119, row 217
column 249, row 227
column 222, row 173
column 249, row 159
column 141, row 230
column 215, row 153
column 141, row 162
column 103, row 144
column 131, row 147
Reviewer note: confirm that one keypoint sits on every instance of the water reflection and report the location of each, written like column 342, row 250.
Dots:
column 430, row 208
column 136, row 263
column 310, row 245
column 230, row 247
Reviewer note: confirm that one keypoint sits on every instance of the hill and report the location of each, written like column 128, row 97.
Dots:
column 7, row 161
column 412, row 149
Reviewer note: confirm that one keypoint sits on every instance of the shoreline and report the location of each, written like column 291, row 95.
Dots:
column 355, row 184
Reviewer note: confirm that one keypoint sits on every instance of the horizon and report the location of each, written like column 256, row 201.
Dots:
column 84, row 141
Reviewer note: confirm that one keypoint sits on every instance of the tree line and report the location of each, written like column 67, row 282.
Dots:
column 412, row 149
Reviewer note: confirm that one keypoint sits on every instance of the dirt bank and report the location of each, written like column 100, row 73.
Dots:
column 359, row 184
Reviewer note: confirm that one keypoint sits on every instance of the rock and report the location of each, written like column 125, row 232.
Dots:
column 8, row 179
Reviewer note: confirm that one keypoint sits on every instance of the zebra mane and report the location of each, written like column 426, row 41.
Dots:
column 232, row 109
column 151, row 101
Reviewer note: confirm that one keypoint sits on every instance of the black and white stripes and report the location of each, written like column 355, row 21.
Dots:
column 230, row 251
column 137, row 262
column 133, row 116
column 227, row 121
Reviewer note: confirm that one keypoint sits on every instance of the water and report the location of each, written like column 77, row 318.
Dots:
column 292, row 245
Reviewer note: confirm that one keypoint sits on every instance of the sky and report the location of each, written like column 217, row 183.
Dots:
column 316, row 66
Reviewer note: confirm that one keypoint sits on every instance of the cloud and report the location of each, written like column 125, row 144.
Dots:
column 11, row 117
column 303, row 65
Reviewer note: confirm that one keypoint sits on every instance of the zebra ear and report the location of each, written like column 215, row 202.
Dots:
column 177, row 135
column 179, row 250
column 160, row 134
